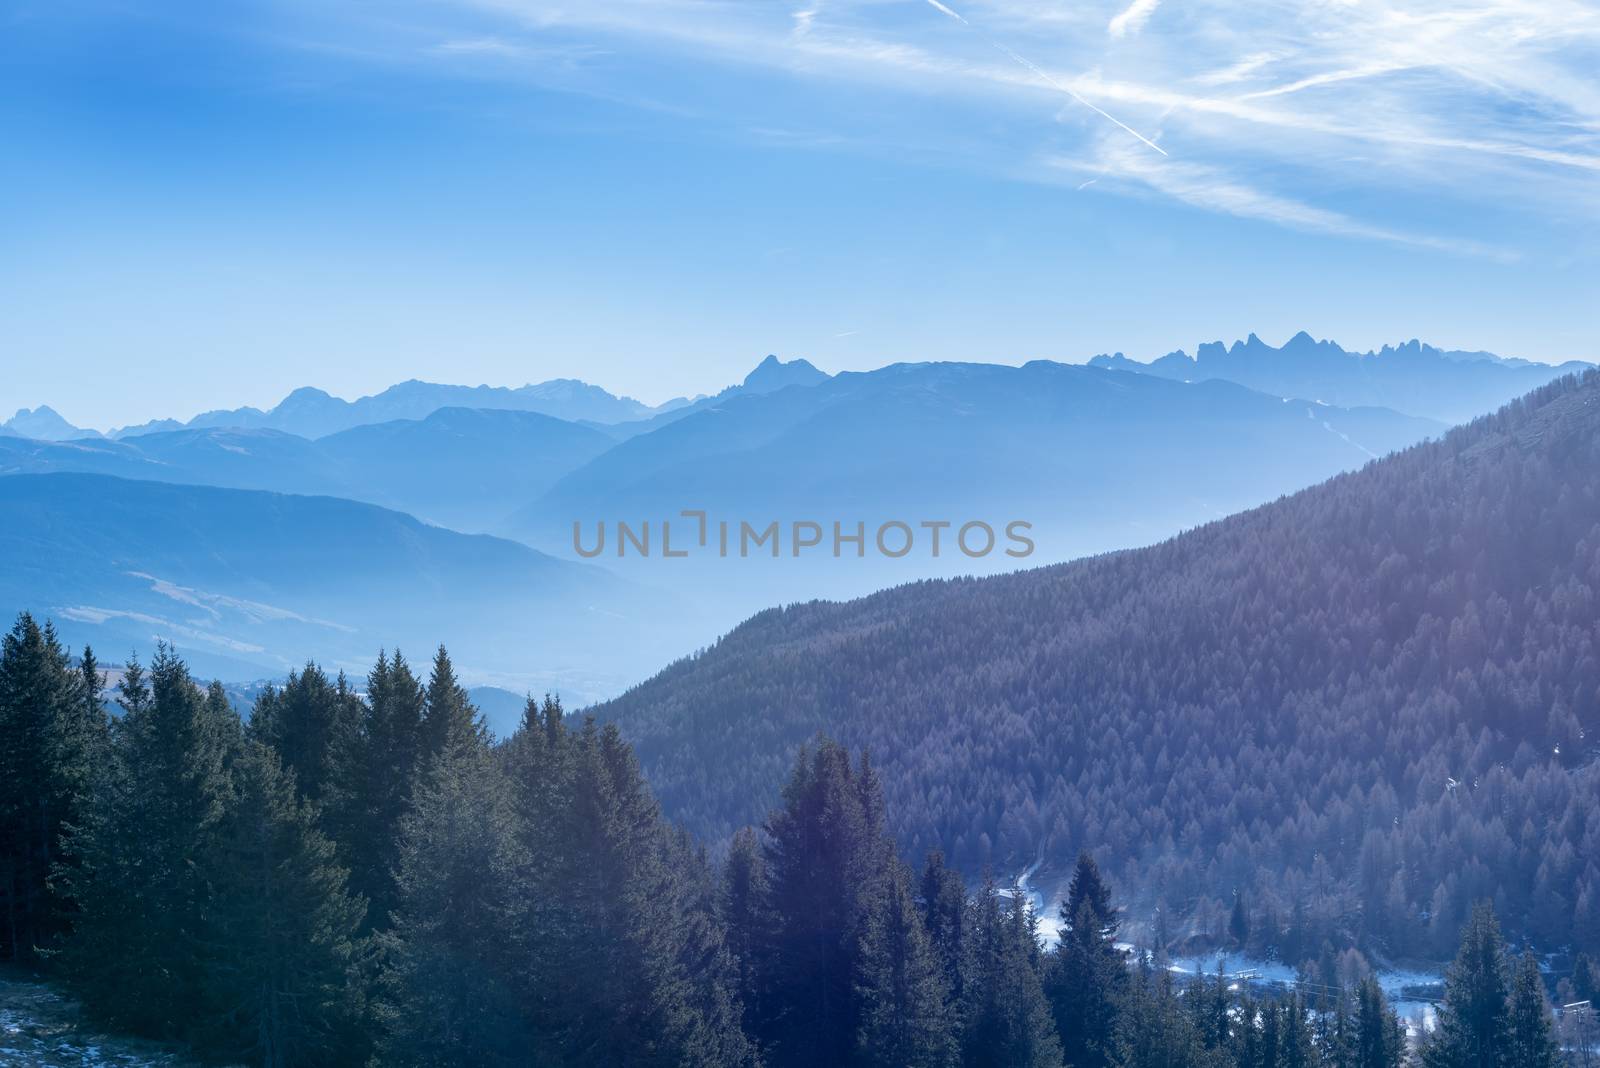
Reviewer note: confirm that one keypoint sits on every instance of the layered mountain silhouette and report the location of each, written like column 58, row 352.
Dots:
column 1447, row 385
column 774, row 374
column 769, row 376
column 459, row 467
column 1093, row 459
column 1373, row 702
column 248, row 584
column 43, row 423
column 312, row 413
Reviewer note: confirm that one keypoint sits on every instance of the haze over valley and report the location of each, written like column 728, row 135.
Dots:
column 1092, row 458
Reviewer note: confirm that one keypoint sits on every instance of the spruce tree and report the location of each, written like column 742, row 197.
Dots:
column 1154, row 1030
column 382, row 783
column 51, row 734
column 1339, row 1034
column 1239, row 922
column 1585, row 978
column 143, row 861
column 449, row 716
column 315, row 725
column 1088, row 977
column 746, row 893
column 447, row 994
column 824, row 863
column 1005, row 1019
column 900, row 984
column 1296, row 1048
column 716, row 1036
column 1474, row 1024
column 1379, row 1038
column 282, row 931
column 652, row 982
column 1530, row 1040
column 944, row 911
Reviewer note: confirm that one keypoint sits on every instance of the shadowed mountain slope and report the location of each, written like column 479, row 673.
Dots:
column 1365, row 706
column 248, row 584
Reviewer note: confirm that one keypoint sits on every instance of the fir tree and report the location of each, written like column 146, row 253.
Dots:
column 1474, row 1024
column 746, row 893
column 822, row 857
column 282, row 933
column 900, row 985
column 144, row 858
column 315, row 725
column 653, row 982
column 944, row 910
column 388, row 766
column 448, row 717
column 447, row 992
column 1530, row 1038
column 1296, row 1048
column 1585, row 978
column 51, row 734
column 1087, row 977
column 1005, row 1019
column 1379, row 1038
column 1155, row 1031
column 1239, row 922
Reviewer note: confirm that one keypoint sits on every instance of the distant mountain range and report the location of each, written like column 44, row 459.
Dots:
column 1093, row 459
column 467, row 468
column 1450, row 386
column 1361, row 708
column 43, row 423
column 458, row 467
column 311, row 413
column 248, row 584
column 1447, row 385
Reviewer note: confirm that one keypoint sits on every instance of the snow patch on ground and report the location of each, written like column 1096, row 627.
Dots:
column 40, row 1026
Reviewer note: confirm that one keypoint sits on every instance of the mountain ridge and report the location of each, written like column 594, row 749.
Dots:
column 249, row 583
column 313, row 413
column 1449, row 385
column 449, row 467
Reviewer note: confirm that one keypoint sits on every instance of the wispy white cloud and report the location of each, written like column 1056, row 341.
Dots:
column 1217, row 190
column 1044, row 76
column 1238, row 70
column 804, row 17
column 1316, row 114
column 1132, row 18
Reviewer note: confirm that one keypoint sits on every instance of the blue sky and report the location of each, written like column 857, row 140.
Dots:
column 209, row 205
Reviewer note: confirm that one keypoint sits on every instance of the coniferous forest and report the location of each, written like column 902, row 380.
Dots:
column 360, row 875
column 1361, row 709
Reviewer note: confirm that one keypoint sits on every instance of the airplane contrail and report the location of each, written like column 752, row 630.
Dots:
column 947, row 11
column 1024, row 62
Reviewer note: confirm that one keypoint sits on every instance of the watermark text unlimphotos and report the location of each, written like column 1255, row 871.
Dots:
column 693, row 533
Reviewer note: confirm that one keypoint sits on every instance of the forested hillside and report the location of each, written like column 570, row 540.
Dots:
column 1362, row 707
column 353, row 880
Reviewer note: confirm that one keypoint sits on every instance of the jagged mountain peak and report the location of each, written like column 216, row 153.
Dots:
column 773, row 374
